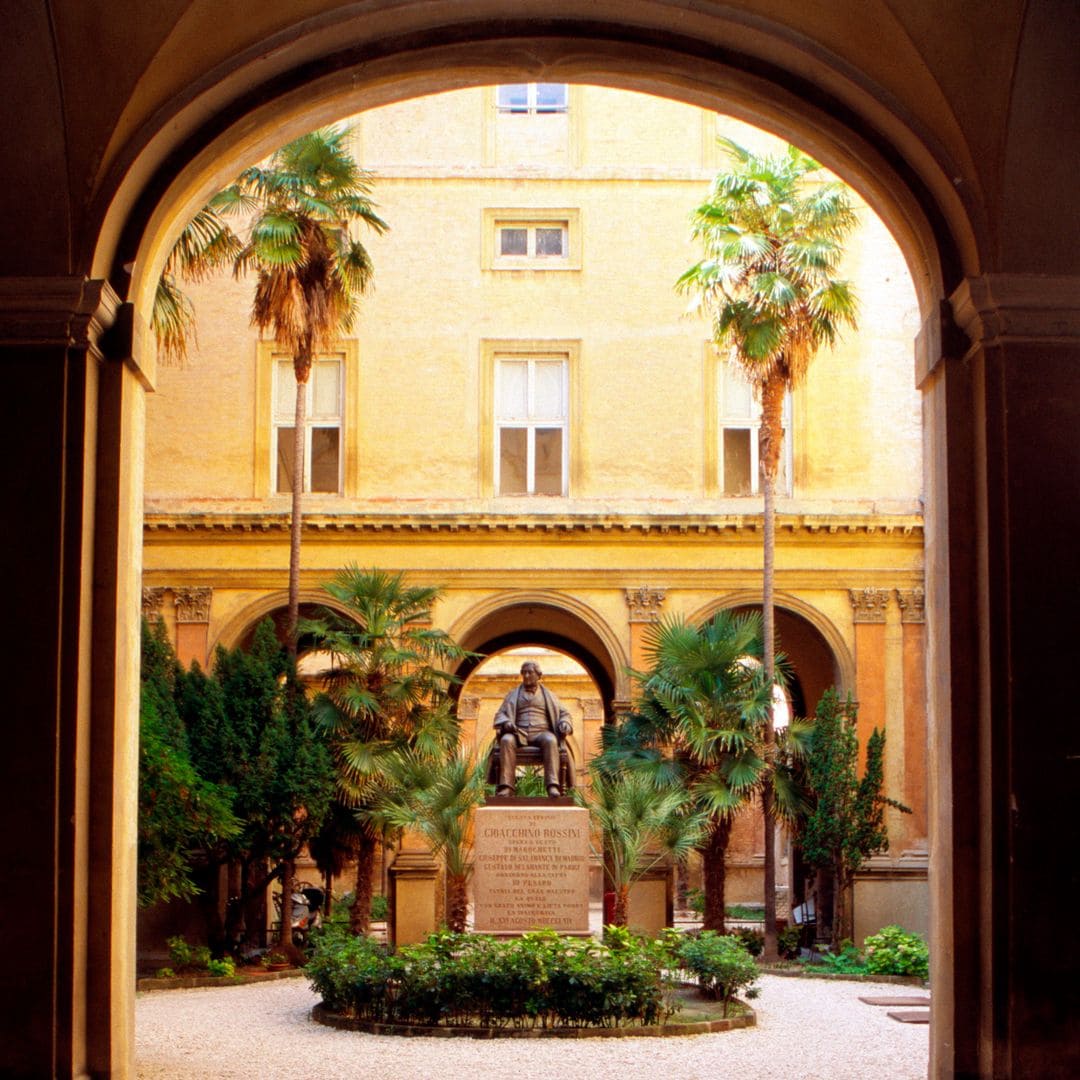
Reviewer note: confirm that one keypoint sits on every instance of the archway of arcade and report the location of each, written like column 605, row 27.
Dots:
column 76, row 1016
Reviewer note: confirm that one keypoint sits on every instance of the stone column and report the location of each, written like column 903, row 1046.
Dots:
column 868, row 608
column 1002, row 415
column 913, row 627
column 192, row 624
column 73, row 442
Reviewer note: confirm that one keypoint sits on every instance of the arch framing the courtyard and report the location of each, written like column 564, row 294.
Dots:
column 123, row 162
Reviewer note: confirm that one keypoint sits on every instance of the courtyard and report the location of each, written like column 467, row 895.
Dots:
column 806, row 1030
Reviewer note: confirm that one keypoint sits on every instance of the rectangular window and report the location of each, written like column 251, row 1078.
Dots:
column 322, row 426
column 526, row 240
column 739, row 412
column 536, row 98
column 531, row 424
column 531, row 239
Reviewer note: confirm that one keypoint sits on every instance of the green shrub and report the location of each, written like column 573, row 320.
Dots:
column 753, row 941
column 187, row 957
column 787, row 942
column 720, row 963
column 165, row 973
column 894, row 951
column 380, row 908
column 848, row 961
column 224, row 967
column 540, row 979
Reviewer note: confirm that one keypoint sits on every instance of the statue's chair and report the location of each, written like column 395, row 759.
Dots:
column 534, row 755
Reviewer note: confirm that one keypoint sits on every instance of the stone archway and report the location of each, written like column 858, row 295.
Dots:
column 1002, row 415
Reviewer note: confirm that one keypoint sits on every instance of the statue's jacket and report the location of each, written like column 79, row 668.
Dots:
column 553, row 708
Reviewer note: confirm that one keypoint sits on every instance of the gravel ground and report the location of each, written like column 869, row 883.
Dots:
column 807, row 1030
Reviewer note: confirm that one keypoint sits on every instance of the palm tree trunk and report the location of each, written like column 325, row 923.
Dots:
column 621, row 915
column 360, row 913
column 288, row 874
column 457, row 902
column 296, row 525
column 772, row 434
column 714, row 875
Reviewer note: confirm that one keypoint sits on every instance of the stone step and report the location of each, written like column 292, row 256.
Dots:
column 884, row 999
column 910, row 1016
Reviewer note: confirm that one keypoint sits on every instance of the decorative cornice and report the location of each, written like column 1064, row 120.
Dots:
column 1018, row 307
column 193, row 605
column 496, row 526
column 868, row 605
column 152, row 598
column 912, row 605
column 645, row 604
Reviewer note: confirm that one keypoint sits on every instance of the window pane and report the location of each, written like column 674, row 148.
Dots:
column 285, row 391
column 737, row 461
column 512, row 450
column 513, row 241
column 285, row 445
column 325, row 443
column 514, row 97
column 513, row 390
column 737, row 399
column 550, row 97
column 548, row 464
column 326, row 389
column 549, row 241
column 548, row 390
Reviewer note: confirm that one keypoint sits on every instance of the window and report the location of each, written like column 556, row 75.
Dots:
column 537, row 98
column 739, row 413
column 531, row 424
column 322, row 427
column 534, row 239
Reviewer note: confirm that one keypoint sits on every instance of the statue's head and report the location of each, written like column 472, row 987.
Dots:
column 531, row 673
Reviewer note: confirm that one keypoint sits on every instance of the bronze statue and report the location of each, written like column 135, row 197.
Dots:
column 531, row 715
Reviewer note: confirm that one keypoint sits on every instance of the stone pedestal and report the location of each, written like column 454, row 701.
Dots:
column 652, row 901
column 531, row 869
column 413, row 877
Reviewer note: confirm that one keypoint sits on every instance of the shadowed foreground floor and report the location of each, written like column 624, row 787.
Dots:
column 807, row 1030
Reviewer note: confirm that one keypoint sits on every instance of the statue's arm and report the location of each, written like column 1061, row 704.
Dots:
column 504, row 718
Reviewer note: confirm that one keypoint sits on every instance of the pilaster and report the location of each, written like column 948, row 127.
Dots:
column 868, row 607
column 646, row 607
column 192, row 623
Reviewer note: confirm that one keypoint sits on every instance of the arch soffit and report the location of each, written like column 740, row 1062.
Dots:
column 615, row 660
column 832, row 637
column 408, row 71
column 232, row 632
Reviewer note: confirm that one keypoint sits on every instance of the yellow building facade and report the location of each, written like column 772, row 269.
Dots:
column 528, row 418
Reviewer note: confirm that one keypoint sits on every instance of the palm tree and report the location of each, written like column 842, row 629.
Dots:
column 386, row 692
column 435, row 796
column 642, row 824
column 773, row 239
column 699, row 722
column 311, row 271
column 206, row 244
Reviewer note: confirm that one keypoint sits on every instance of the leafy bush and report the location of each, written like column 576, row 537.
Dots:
column 224, row 967
column 787, row 942
column 539, row 979
column 720, row 963
column 894, row 951
column 380, row 908
column 848, row 961
column 187, row 957
column 753, row 941
column 165, row 973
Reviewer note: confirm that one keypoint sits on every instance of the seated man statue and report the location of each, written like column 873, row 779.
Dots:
column 531, row 715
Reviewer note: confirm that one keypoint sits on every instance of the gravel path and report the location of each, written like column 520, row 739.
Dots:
column 807, row 1030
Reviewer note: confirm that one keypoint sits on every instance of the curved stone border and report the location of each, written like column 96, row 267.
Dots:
column 321, row 1015
column 190, row 982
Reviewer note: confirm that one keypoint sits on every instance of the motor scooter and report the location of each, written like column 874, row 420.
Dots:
column 307, row 904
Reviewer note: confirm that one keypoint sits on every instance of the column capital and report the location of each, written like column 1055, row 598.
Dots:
column 1019, row 307
column 912, row 604
column 193, row 605
column 868, row 605
column 468, row 707
column 153, row 596
column 645, row 604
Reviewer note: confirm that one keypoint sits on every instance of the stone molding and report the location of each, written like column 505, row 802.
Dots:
column 912, row 604
column 869, row 605
column 481, row 525
column 153, row 596
column 69, row 311
column 1017, row 307
column 468, row 707
column 193, row 605
column 645, row 604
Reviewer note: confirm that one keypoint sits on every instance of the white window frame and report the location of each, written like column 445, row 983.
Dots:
column 282, row 370
column 495, row 219
column 530, row 228
column 531, row 422
column 736, row 421
column 531, row 107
